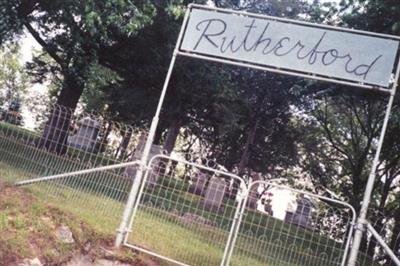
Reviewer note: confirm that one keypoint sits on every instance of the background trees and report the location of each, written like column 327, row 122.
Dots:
column 347, row 124
column 13, row 83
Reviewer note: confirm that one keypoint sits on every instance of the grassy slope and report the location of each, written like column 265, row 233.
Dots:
column 27, row 230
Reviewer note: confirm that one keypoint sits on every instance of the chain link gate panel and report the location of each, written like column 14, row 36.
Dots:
column 291, row 227
column 185, row 212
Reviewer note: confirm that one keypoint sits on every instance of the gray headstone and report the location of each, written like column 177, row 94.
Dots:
column 253, row 194
column 154, row 150
column 86, row 136
column 302, row 215
column 214, row 194
column 157, row 169
column 289, row 217
column 253, row 198
column 199, row 184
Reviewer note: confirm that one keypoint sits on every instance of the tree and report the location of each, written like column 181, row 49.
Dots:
column 144, row 75
column 340, row 138
column 72, row 33
column 13, row 83
column 343, row 129
column 381, row 17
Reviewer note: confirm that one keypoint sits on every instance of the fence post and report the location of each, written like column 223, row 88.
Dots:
column 235, row 227
column 123, row 228
column 237, row 220
column 361, row 221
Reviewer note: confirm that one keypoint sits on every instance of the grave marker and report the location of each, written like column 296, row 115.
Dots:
column 199, row 184
column 215, row 194
column 86, row 136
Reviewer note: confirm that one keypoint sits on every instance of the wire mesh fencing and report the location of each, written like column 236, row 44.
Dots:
column 291, row 227
column 184, row 212
column 70, row 141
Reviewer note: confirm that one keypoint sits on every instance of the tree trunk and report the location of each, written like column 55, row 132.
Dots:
column 55, row 134
column 169, row 144
column 172, row 135
column 124, row 144
column 244, row 160
column 158, row 136
column 103, row 142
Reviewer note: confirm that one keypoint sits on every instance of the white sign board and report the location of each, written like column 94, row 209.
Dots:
column 293, row 47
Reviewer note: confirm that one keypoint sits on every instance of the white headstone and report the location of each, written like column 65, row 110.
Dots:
column 199, row 184
column 302, row 215
column 215, row 194
column 137, row 156
column 253, row 194
column 86, row 136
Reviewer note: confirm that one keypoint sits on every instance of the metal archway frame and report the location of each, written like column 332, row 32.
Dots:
column 391, row 90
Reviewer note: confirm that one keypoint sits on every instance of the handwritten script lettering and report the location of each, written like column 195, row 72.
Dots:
column 212, row 31
column 295, row 47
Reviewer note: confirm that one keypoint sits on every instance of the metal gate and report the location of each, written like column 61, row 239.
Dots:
column 182, row 221
column 185, row 213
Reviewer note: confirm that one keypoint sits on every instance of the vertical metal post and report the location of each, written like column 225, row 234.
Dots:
column 123, row 228
column 235, row 228
column 237, row 220
column 361, row 221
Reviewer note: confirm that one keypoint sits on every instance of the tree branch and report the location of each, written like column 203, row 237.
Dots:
column 45, row 46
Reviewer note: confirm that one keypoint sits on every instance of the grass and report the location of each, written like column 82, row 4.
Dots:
column 203, row 245
column 85, row 205
column 151, row 234
column 27, row 229
column 28, row 221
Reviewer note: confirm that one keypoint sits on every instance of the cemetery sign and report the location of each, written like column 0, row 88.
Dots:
column 292, row 47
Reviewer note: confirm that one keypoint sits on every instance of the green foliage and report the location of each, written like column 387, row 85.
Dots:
column 279, row 8
column 13, row 84
column 72, row 32
column 13, row 80
column 211, row 102
column 10, row 25
column 375, row 15
column 99, row 78
column 264, row 129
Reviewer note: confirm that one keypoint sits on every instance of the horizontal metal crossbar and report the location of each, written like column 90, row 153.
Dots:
column 75, row 173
